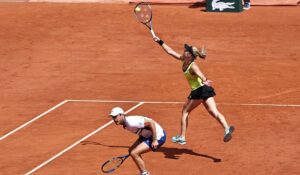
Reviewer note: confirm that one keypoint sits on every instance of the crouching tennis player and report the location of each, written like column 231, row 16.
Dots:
column 151, row 135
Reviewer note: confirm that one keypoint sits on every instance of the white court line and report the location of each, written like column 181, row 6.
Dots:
column 148, row 102
column 34, row 119
column 177, row 102
column 76, row 143
column 270, row 105
column 124, row 101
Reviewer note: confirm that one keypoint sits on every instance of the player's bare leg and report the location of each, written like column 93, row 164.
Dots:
column 187, row 108
column 136, row 152
column 211, row 107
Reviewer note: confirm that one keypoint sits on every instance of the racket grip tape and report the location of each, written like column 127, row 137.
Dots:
column 160, row 42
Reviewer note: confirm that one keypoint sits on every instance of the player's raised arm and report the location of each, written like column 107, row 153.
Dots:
column 166, row 48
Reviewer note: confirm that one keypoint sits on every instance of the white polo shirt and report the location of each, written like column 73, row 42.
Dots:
column 136, row 124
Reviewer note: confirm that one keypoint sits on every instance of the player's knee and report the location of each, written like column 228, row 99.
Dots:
column 185, row 111
column 213, row 113
column 130, row 150
column 133, row 154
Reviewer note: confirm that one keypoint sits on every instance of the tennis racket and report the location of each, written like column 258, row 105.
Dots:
column 143, row 14
column 113, row 164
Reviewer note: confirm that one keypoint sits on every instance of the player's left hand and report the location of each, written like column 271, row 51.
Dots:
column 154, row 144
column 208, row 82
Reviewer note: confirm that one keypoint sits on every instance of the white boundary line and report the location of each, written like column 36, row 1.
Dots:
column 268, row 105
column 128, row 101
column 76, row 143
column 34, row 119
column 177, row 102
column 123, row 101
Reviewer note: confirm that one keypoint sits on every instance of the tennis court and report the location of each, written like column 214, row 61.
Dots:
column 64, row 66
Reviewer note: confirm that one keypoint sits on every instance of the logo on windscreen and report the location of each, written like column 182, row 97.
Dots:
column 216, row 4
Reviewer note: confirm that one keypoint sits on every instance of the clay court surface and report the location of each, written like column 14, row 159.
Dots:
column 52, row 54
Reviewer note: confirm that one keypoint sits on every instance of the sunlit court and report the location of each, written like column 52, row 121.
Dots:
column 65, row 65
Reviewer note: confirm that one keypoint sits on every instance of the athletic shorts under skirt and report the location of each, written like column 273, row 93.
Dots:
column 149, row 140
column 203, row 92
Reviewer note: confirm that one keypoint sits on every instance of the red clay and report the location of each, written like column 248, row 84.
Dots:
column 53, row 52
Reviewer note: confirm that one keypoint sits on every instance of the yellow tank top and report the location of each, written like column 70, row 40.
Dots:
column 194, row 81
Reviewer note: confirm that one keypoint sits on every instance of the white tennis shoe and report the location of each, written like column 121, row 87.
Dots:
column 145, row 173
column 179, row 139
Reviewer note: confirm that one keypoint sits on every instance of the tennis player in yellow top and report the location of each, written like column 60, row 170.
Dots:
column 201, row 90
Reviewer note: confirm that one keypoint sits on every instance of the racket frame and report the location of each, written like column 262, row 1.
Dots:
column 148, row 23
column 123, row 158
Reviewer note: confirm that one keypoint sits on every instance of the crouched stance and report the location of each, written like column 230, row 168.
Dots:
column 151, row 135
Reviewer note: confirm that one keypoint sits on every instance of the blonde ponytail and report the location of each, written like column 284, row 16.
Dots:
column 201, row 53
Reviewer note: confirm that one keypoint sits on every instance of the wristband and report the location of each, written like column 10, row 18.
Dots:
column 160, row 42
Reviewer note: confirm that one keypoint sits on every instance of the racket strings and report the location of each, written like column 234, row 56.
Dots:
column 143, row 13
column 112, row 164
